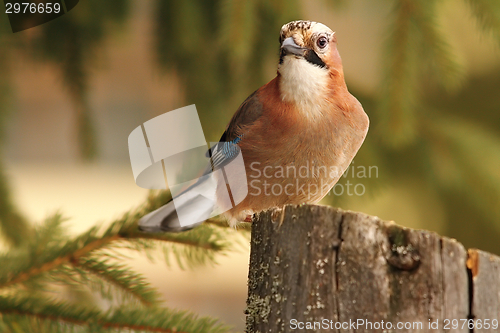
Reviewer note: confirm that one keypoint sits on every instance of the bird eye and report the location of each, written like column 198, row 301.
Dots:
column 322, row 42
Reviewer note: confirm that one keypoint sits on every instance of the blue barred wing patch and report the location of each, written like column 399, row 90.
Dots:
column 224, row 152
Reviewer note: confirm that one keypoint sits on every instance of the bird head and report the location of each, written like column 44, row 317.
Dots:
column 309, row 61
column 310, row 41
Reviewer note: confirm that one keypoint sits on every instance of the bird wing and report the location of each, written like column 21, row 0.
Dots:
column 166, row 217
column 227, row 148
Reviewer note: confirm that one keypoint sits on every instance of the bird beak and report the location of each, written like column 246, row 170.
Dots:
column 290, row 47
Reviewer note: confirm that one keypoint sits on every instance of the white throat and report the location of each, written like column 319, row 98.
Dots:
column 304, row 85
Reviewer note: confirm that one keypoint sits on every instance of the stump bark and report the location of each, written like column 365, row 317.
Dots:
column 320, row 269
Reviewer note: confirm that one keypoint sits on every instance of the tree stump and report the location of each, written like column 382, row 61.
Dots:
column 320, row 269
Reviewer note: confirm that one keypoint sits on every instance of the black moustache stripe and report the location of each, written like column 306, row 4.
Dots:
column 313, row 58
column 309, row 55
column 282, row 55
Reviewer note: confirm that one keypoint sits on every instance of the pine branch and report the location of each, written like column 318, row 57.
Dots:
column 399, row 96
column 203, row 241
column 445, row 67
column 487, row 13
column 185, row 238
column 192, row 248
column 89, row 261
column 149, row 319
column 11, row 278
column 414, row 41
column 120, row 276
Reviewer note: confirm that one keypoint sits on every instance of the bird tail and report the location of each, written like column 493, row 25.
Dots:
column 186, row 211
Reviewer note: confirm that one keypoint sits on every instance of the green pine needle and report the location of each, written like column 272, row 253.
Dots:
column 197, row 246
column 33, row 314
column 119, row 276
column 399, row 93
column 437, row 49
column 415, row 40
column 92, row 261
column 487, row 13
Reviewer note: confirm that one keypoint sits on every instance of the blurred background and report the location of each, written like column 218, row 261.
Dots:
column 71, row 91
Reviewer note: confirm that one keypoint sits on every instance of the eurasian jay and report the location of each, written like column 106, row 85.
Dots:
column 297, row 134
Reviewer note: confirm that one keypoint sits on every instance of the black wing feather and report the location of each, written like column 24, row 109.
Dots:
column 227, row 148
